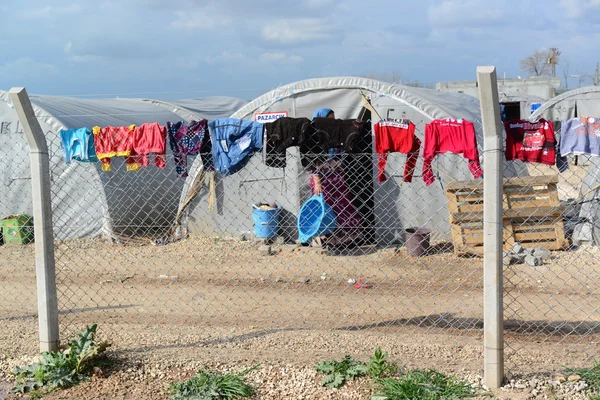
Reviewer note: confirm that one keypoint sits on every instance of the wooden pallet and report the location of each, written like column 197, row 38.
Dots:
column 532, row 214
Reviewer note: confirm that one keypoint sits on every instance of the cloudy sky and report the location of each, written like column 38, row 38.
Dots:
column 193, row 48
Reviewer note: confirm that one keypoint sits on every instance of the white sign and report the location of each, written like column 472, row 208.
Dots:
column 265, row 117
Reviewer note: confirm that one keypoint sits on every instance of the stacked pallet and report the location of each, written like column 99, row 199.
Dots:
column 532, row 216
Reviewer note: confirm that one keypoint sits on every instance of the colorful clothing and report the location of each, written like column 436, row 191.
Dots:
column 396, row 136
column 450, row 136
column 78, row 145
column 114, row 142
column 580, row 136
column 337, row 195
column 530, row 141
column 150, row 138
column 233, row 142
column 186, row 140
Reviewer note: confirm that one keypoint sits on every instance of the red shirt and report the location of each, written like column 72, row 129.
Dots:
column 530, row 141
column 450, row 136
column 396, row 136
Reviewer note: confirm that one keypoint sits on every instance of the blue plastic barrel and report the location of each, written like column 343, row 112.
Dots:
column 266, row 222
column 316, row 218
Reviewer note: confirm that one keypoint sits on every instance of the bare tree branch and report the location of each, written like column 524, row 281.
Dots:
column 566, row 66
column 536, row 64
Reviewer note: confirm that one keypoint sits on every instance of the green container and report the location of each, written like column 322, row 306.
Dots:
column 17, row 229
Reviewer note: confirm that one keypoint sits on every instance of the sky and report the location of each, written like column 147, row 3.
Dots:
column 175, row 49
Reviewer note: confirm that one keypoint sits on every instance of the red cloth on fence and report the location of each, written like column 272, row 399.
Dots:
column 113, row 141
column 396, row 136
column 530, row 141
column 450, row 136
column 150, row 138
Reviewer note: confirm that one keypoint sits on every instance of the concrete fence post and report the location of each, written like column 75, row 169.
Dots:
column 492, row 228
column 42, row 221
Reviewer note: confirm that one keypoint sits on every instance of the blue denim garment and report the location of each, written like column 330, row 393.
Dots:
column 233, row 142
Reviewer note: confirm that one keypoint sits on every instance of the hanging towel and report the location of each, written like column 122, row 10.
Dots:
column 450, row 136
column 78, row 145
column 396, row 136
column 530, row 141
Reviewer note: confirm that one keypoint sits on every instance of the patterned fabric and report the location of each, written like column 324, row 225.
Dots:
column 186, row 140
column 337, row 195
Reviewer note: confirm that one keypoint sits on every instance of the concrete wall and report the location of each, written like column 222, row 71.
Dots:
column 540, row 87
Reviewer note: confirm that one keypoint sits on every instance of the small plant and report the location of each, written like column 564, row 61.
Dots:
column 208, row 385
column 60, row 369
column 338, row 372
column 425, row 385
column 591, row 376
column 380, row 366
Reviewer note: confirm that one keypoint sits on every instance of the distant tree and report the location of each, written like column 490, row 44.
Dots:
column 536, row 64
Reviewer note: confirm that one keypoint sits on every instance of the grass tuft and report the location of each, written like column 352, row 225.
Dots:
column 209, row 385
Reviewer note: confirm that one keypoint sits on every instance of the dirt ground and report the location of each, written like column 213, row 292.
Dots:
column 171, row 309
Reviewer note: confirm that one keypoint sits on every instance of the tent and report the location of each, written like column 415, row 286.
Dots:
column 87, row 201
column 583, row 102
column 390, row 207
column 519, row 106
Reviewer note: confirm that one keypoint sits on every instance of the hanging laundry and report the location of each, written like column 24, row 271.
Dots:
column 396, row 136
column 281, row 134
column 150, row 138
column 186, row 140
column 233, row 142
column 78, row 145
column 338, row 133
column 114, row 141
column 327, row 134
column 530, row 141
column 450, row 136
column 580, row 136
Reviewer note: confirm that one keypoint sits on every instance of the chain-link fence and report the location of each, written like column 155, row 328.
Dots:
column 160, row 261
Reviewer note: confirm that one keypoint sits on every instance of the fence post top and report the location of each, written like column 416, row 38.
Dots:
column 16, row 90
column 486, row 69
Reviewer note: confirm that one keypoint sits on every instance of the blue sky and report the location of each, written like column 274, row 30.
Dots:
column 190, row 48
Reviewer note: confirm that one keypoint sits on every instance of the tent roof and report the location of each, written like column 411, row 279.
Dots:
column 430, row 103
column 207, row 107
column 571, row 94
column 519, row 97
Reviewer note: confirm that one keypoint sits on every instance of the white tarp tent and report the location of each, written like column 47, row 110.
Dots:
column 87, row 201
column 579, row 103
column 395, row 205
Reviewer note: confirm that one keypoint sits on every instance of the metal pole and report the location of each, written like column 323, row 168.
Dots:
column 42, row 221
column 492, row 228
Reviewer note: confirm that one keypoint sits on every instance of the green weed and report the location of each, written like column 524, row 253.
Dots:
column 61, row 369
column 207, row 385
column 336, row 373
column 379, row 365
column 424, row 385
column 591, row 376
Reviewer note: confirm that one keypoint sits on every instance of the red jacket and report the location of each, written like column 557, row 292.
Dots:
column 454, row 136
column 396, row 136
column 530, row 141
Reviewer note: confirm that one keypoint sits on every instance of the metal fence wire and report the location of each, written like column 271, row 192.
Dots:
column 178, row 261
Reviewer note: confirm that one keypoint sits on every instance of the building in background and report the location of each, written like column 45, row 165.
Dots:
column 519, row 97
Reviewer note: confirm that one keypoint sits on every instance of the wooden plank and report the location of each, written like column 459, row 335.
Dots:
column 508, row 235
column 529, row 225
column 538, row 180
column 470, row 196
column 552, row 188
column 535, row 236
column 523, row 213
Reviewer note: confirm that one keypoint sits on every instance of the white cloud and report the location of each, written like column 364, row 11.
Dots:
column 280, row 58
column 25, row 68
column 48, row 12
column 68, row 47
column 464, row 13
column 299, row 30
